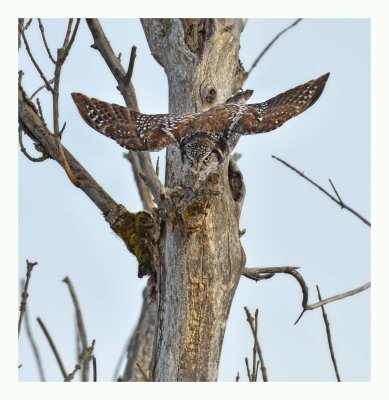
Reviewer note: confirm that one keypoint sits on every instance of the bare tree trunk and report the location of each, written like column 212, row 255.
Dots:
column 202, row 258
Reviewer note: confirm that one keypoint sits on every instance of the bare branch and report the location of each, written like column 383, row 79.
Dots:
column 336, row 192
column 329, row 338
column 258, row 274
column 246, row 360
column 94, row 369
column 120, row 361
column 127, row 90
column 86, row 357
column 32, row 123
column 23, row 303
column 34, row 347
column 253, row 327
column 53, row 347
column 42, row 75
column 127, row 78
column 337, row 201
column 339, row 296
column 80, row 327
column 265, row 50
column 42, row 29
column 144, row 192
column 40, row 88
column 68, row 31
column 25, row 152
column 237, row 377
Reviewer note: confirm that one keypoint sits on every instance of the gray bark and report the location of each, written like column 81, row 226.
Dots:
column 201, row 254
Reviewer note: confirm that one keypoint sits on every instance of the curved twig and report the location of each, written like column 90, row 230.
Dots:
column 257, row 274
column 25, row 152
column 53, row 347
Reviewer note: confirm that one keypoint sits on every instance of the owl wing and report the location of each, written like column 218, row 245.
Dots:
column 131, row 129
column 271, row 114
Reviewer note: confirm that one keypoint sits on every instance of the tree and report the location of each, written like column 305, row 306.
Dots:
column 191, row 248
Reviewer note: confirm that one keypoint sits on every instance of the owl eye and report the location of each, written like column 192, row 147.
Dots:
column 206, row 159
column 190, row 161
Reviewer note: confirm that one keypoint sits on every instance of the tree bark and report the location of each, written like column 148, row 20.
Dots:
column 201, row 254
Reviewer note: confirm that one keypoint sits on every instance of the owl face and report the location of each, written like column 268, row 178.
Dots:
column 199, row 158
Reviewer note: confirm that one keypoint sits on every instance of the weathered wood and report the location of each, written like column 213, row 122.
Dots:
column 200, row 267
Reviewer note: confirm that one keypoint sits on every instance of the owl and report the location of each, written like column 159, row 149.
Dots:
column 205, row 139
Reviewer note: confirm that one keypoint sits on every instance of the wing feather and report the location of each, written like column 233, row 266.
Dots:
column 271, row 114
column 131, row 129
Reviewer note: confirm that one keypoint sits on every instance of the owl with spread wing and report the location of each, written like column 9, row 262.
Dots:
column 205, row 138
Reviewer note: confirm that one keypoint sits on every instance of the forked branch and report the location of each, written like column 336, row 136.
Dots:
column 337, row 200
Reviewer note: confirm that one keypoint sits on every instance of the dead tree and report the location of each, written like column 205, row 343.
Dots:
column 189, row 243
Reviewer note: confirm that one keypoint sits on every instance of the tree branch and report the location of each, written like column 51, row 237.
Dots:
column 254, row 330
column 329, row 338
column 34, row 348
column 53, row 347
column 265, row 50
column 258, row 274
column 42, row 29
column 337, row 201
column 127, row 90
column 80, row 327
column 86, row 357
column 42, row 75
column 23, row 303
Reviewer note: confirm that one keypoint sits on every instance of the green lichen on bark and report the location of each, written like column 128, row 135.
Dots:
column 139, row 231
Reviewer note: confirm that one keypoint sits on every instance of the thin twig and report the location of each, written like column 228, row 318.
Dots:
column 237, row 377
column 86, row 357
column 53, row 347
column 120, row 360
column 68, row 31
column 28, row 24
column 336, row 192
column 145, row 375
column 256, row 274
column 25, row 152
column 337, row 201
column 42, row 29
column 42, row 75
column 339, row 296
column 329, row 338
column 65, row 164
column 127, row 78
column 40, row 88
column 250, row 320
column 246, row 360
column 33, row 344
column 94, row 369
column 157, row 167
column 23, row 303
column 265, row 50
column 20, row 77
column 38, row 103
column 80, row 327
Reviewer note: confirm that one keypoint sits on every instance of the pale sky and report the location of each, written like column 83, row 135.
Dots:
column 288, row 221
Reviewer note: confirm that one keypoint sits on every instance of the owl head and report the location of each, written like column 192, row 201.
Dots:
column 200, row 155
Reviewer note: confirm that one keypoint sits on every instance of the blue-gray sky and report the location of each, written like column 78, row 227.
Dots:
column 288, row 221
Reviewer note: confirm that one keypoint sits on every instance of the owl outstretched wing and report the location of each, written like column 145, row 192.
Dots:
column 271, row 114
column 131, row 129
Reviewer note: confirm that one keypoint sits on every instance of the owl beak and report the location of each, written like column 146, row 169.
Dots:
column 198, row 167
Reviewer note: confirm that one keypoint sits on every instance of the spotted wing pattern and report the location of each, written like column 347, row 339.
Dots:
column 131, row 129
column 271, row 114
